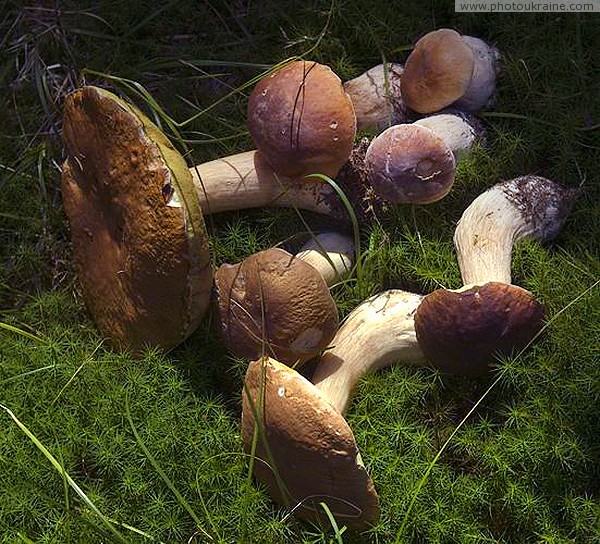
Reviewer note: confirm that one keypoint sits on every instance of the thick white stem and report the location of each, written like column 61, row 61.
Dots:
column 457, row 132
column 378, row 333
column 332, row 254
column 376, row 97
column 504, row 214
column 245, row 180
column 481, row 89
column 484, row 238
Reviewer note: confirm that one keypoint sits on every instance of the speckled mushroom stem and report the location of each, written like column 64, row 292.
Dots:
column 378, row 333
column 527, row 206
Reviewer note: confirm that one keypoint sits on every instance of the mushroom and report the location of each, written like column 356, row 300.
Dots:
column 416, row 162
column 274, row 303
column 135, row 212
column 377, row 98
column 302, row 120
column 306, row 453
column 446, row 68
column 409, row 163
column 462, row 331
column 144, row 266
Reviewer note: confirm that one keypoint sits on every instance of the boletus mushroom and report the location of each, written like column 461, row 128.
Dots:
column 306, row 453
column 463, row 331
column 302, row 120
column 277, row 304
column 447, row 68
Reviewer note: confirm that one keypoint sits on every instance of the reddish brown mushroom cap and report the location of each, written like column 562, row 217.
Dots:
column 462, row 332
column 144, row 266
column 273, row 303
column 437, row 72
column 409, row 163
column 302, row 120
column 305, row 443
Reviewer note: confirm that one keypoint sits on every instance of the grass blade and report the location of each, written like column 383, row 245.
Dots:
column 72, row 484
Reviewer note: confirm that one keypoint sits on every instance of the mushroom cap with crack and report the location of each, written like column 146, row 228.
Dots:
column 306, row 452
column 301, row 120
column 409, row 163
column 273, row 303
column 143, row 263
column 437, row 72
column 464, row 331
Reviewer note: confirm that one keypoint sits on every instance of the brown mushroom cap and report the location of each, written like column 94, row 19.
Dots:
column 144, row 266
column 437, row 72
column 462, row 332
column 273, row 303
column 409, row 163
column 302, row 120
column 311, row 448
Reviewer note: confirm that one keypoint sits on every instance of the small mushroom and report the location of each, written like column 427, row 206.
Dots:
column 409, row 163
column 462, row 331
column 446, row 68
column 274, row 303
column 306, row 452
column 302, row 120
column 377, row 98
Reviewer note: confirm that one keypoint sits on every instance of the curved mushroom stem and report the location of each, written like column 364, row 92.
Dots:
column 488, row 229
column 379, row 332
column 331, row 254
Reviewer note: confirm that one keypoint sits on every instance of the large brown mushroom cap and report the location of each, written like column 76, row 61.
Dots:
column 462, row 332
column 437, row 72
column 144, row 266
column 302, row 120
column 409, row 163
column 273, row 303
column 311, row 449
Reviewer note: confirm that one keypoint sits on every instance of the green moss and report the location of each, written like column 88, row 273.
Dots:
column 521, row 468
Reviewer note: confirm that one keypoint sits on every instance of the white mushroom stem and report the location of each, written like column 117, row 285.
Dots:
column 482, row 86
column 528, row 206
column 458, row 133
column 245, row 180
column 376, row 97
column 378, row 333
column 330, row 253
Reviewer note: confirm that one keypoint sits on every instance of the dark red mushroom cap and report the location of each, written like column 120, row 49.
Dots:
column 409, row 163
column 143, row 264
column 302, row 120
column 463, row 332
